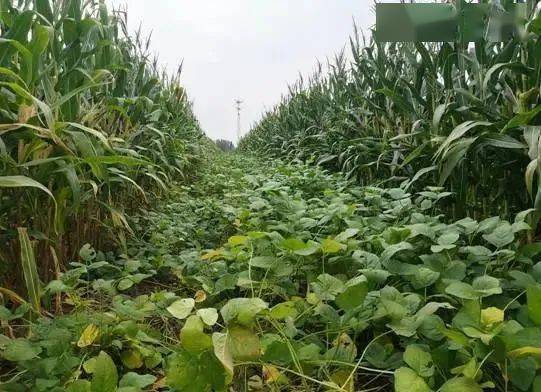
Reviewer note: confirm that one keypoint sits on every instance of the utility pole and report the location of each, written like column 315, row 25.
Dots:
column 238, row 102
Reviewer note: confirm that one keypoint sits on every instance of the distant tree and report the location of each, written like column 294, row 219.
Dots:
column 225, row 145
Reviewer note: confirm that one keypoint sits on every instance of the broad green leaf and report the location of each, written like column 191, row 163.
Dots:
column 524, row 352
column 391, row 250
column 20, row 350
column 195, row 373
column 263, row 261
column 182, row 373
column 181, row 308
column 104, row 375
column 537, row 384
column 238, row 240
column 132, row 358
column 486, row 286
column 140, row 381
column 533, row 295
column 223, row 352
column 420, row 360
column 293, row 244
column 424, row 277
column 327, row 287
column 448, row 238
column 354, row 294
column 461, row 384
column 125, row 284
column 79, row 386
column 406, row 380
column 378, row 276
column 310, row 352
column 284, row 310
column 242, row 310
column 342, row 379
column 522, row 372
column 192, row 337
column 462, row 290
column 501, row 236
column 244, row 345
column 208, row 315
column 346, row 234
column 300, row 247
column 329, row 246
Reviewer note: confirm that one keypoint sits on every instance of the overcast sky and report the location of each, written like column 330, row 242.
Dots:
column 248, row 49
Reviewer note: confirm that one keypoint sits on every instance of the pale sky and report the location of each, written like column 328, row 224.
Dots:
column 248, row 49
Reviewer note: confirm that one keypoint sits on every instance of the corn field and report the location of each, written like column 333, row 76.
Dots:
column 90, row 127
column 459, row 115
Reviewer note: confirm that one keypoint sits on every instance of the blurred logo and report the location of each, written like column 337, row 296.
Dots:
column 464, row 22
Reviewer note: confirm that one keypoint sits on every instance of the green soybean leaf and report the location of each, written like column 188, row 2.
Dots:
column 461, row 384
column 141, row 381
column 20, row 350
column 533, row 294
column 104, row 375
column 208, row 315
column 406, row 380
column 192, row 336
column 181, row 308
column 354, row 294
column 501, row 236
column 242, row 310
column 420, row 360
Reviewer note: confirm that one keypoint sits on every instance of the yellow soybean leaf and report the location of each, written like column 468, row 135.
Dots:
column 491, row 316
column 331, row 246
column 272, row 375
column 525, row 351
column 237, row 240
column 211, row 255
column 342, row 379
column 132, row 359
column 89, row 335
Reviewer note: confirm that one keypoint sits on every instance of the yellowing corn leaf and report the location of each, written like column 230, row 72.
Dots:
column 26, row 112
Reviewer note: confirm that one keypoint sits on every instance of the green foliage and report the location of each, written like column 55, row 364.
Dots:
column 388, row 291
column 265, row 275
column 463, row 117
column 90, row 128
